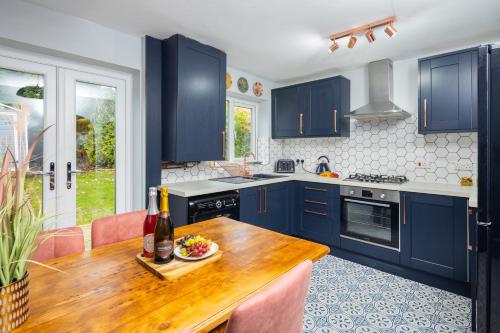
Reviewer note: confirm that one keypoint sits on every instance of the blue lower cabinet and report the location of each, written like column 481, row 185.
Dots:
column 267, row 206
column 434, row 235
column 318, row 212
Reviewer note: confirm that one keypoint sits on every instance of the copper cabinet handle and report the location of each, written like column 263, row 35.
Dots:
column 469, row 214
column 404, row 208
column 425, row 112
column 265, row 199
column 315, row 189
column 223, row 136
column 301, row 123
column 260, row 200
column 316, row 202
column 335, row 121
column 314, row 213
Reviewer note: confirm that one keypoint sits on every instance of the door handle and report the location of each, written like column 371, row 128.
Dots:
column 51, row 173
column 404, row 208
column 469, row 216
column 316, row 202
column 259, row 210
column 265, row 199
column 335, row 121
column 69, row 174
column 223, row 138
column 425, row 112
column 315, row 189
column 301, row 123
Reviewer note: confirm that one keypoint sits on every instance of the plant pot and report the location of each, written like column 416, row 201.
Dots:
column 14, row 304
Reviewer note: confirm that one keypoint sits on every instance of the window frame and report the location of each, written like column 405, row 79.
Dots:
column 232, row 104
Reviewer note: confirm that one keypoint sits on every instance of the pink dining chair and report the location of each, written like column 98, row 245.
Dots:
column 277, row 309
column 58, row 243
column 117, row 228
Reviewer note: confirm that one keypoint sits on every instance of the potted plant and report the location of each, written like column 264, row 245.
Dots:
column 20, row 225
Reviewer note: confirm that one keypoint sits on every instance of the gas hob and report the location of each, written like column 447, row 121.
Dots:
column 374, row 178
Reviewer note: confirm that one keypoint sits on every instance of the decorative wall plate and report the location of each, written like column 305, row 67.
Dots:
column 229, row 81
column 242, row 85
column 258, row 89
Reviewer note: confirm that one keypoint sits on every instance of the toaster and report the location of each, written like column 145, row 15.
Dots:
column 285, row 166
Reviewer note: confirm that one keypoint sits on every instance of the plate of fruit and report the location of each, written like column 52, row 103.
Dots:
column 195, row 247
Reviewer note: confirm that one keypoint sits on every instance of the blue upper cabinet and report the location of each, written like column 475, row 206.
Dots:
column 312, row 109
column 448, row 93
column 194, row 95
column 288, row 112
column 434, row 234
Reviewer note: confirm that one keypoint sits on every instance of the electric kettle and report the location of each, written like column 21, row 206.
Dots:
column 322, row 165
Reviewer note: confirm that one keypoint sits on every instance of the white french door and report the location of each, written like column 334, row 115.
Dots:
column 77, row 173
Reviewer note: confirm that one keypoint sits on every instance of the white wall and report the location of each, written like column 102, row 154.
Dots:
column 264, row 101
column 37, row 26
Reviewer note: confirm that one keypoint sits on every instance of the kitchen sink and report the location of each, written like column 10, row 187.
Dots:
column 246, row 179
column 267, row 176
column 235, row 179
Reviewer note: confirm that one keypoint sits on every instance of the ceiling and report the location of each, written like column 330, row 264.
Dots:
column 288, row 39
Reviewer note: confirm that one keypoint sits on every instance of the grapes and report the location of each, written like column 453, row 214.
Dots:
column 194, row 246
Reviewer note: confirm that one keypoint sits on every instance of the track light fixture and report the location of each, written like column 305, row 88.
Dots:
column 352, row 41
column 367, row 29
column 370, row 36
column 390, row 30
column 334, row 46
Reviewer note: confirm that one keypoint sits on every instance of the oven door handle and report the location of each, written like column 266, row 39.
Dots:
column 368, row 203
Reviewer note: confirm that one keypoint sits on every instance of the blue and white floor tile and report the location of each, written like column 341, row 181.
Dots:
column 347, row 297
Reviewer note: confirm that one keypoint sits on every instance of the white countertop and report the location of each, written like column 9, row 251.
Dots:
column 200, row 187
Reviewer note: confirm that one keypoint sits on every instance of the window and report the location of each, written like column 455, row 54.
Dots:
column 241, row 128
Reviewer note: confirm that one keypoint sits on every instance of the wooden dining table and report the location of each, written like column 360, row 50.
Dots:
column 107, row 290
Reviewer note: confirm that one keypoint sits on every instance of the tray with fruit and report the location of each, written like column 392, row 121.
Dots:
column 195, row 247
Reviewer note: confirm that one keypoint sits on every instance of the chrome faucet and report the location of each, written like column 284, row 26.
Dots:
column 246, row 169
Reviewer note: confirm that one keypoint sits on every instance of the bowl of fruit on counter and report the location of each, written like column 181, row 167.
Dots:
column 195, row 247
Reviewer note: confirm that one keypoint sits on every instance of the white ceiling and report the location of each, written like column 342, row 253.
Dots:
column 288, row 39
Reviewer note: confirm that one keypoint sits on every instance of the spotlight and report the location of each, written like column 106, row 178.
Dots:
column 334, row 46
column 390, row 30
column 352, row 41
column 370, row 36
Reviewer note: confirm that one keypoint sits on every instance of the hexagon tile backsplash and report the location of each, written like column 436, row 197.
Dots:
column 390, row 147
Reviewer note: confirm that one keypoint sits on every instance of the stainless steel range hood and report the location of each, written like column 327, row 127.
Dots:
column 381, row 87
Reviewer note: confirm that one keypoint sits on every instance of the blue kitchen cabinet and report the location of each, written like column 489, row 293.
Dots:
column 318, row 212
column 267, row 206
column 434, row 234
column 448, row 92
column 329, row 101
column 194, row 96
column 288, row 112
column 312, row 109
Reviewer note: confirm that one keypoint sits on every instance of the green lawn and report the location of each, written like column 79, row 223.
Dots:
column 95, row 194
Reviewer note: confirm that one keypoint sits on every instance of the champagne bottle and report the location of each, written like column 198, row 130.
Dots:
column 149, row 225
column 164, row 232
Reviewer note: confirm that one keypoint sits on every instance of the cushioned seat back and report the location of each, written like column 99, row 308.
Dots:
column 59, row 242
column 117, row 228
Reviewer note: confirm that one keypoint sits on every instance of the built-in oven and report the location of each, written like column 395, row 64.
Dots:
column 370, row 215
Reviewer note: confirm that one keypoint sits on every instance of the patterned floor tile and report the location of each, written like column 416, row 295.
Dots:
column 346, row 297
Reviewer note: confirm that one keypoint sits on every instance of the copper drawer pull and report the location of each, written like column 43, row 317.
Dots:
column 425, row 112
column 316, row 202
column 314, row 213
column 335, row 121
column 265, row 199
column 315, row 189
column 260, row 201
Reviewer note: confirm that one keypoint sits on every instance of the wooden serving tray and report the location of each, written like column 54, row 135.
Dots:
column 177, row 267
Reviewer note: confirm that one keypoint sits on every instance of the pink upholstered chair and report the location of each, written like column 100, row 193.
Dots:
column 117, row 228
column 62, row 242
column 277, row 309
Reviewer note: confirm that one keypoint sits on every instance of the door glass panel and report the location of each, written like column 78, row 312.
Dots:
column 21, row 120
column 95, row 151
column 242, row 131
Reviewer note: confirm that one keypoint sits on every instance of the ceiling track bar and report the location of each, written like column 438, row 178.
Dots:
column 362, row 28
